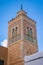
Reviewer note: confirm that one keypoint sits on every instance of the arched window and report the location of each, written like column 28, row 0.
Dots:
column 27, row 30
column 14, row 31
column 14, row 34
column 27, row 27
column 30, row 31
column 29, row 34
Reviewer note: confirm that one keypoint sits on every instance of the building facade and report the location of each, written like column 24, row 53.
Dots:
column 34, row 59
column 3, row 55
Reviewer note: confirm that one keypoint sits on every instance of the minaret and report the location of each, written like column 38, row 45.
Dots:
column 22, row 38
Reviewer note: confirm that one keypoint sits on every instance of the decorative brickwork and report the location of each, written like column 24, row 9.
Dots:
column 21, row 41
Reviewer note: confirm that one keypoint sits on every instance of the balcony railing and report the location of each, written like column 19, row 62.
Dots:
column 14, row 39
column 30, row 38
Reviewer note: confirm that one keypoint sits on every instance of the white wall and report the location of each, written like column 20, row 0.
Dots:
column 35, row 59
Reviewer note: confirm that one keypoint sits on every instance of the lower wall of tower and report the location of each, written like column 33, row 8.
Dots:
column 18, row 50
column 15, row 53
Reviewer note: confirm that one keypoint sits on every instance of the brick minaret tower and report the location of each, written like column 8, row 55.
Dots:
column 22, row 38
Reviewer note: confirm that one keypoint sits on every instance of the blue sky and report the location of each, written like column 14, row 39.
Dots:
column 9, row 9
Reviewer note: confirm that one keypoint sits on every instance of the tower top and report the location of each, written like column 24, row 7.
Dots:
column 21, row 12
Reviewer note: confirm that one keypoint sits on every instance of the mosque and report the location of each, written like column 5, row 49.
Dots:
column 22, row 42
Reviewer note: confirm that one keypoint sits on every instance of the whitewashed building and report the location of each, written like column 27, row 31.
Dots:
column 35, row 59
